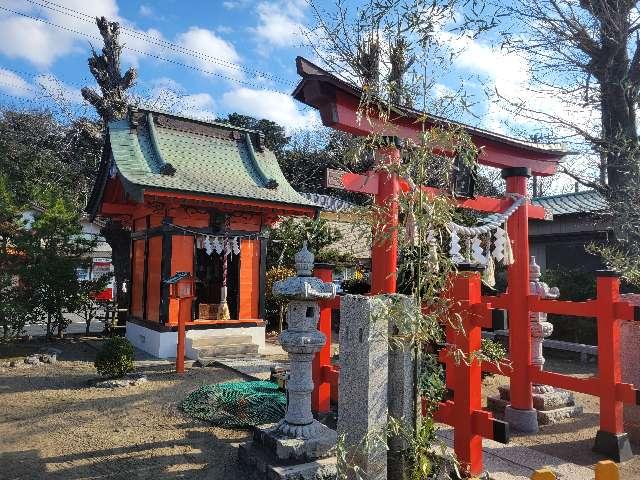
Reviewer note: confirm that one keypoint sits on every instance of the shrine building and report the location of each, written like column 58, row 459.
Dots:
column 197, row 196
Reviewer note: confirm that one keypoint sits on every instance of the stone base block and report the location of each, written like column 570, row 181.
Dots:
column 549, row 417
column 552, row 407
column 615, row 447
column 544, row 401
column 295, row 450
column 497, row 405
column 525, row 421
column 260, row 465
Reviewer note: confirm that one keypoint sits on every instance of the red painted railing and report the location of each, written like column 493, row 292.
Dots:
column 610, row 311
column 468, row 314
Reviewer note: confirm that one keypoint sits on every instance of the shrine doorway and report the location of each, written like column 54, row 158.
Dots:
column 209, row 276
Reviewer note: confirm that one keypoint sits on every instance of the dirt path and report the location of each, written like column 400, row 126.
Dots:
column 53, row 426
column 571, row 440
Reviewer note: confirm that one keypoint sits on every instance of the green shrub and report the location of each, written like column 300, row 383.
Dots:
column 115, row 359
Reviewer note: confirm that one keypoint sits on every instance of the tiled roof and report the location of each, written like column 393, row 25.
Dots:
column 159, row 151
column 588, row 201
column 328, row 202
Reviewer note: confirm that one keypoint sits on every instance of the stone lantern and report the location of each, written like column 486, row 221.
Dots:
column 540, row 328
column 302, row 340
column 299, row 445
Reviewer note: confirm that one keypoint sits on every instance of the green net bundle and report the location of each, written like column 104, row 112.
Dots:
column 236, row 404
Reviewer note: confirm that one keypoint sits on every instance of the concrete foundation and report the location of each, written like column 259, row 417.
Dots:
column 163, row 344
column 615, row 447
column 525, row 421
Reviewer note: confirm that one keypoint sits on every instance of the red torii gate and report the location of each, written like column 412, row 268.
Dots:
column 338, row 103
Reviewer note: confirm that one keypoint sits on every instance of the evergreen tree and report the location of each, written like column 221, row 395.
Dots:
column 111, row 104
column 13, row 311
column 52, row 250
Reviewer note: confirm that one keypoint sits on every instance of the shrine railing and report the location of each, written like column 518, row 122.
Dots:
column 610, row 311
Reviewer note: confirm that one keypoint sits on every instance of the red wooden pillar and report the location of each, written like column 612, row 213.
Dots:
column 467, row 380
column 610, row 439
column 321, row 395
column 384, row 251
column 520, row 414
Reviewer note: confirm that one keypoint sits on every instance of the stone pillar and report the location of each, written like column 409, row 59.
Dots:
column 401, row 394
column 363, row 383
column 630, row 362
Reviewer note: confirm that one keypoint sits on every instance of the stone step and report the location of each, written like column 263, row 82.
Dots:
column 227, row 350
column 263, row 467
column 497, row 406
column 210, row 341
column 549, row 417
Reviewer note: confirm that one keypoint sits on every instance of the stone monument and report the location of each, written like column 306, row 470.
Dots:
column 552, row 404
column 298, row 446
column 363, row 384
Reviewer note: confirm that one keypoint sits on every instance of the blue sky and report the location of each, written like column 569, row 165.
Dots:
column 210, row 58
column 204, row 58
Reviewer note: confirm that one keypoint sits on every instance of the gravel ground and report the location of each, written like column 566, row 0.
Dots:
column 54, row 426
column 572, row 439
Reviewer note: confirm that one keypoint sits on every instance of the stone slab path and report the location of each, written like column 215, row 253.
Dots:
column 515, row 462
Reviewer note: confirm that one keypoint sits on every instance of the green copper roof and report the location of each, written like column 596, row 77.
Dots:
column 159, row 151
column 588, row 201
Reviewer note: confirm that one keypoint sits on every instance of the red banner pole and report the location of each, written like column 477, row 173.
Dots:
column 321, row 395
column 384, row 251
column 520, row 413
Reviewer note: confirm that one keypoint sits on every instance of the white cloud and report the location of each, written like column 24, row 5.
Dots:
column 210, row 45
column 14, row 84
column 275, row 106
column 145, row 11
column 43, row 86
column 507, row 78
column 42, row 44
column 37, row 43
column 235, row 4
column 280, row 23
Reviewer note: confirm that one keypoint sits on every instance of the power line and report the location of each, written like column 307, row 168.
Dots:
column 44, row 75
column 163, row 43
column 157, row 57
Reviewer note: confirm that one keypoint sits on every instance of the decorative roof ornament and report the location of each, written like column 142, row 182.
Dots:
column 304, row 261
